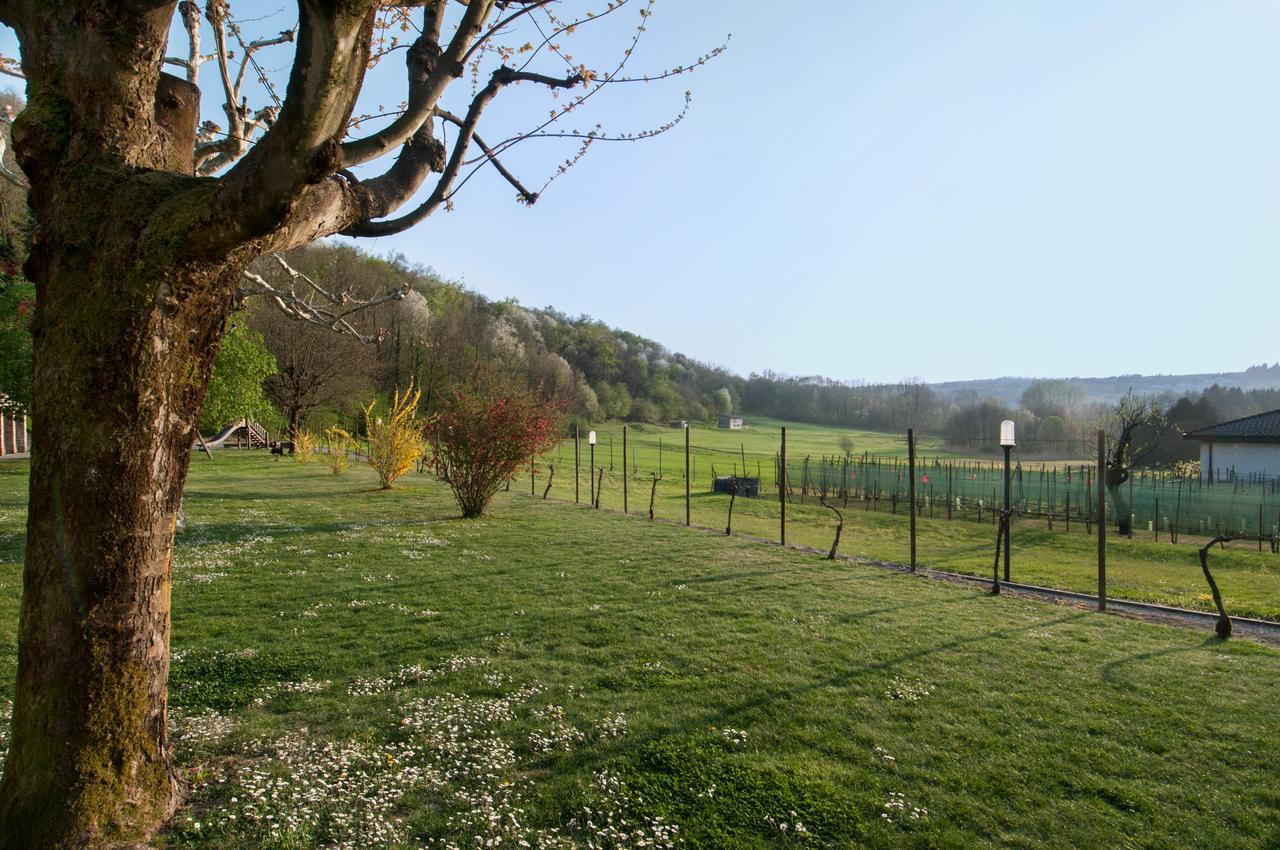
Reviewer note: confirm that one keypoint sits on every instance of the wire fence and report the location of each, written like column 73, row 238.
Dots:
column 1055, row 510
column 1158, row 502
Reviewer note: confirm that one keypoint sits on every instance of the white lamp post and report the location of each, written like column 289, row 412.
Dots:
column 1007, row 442
column 591, row 441
column 1007, row 428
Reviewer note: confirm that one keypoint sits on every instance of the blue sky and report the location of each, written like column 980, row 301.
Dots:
column 899, row 188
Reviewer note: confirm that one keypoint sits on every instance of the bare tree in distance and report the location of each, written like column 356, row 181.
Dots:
column 1133, row 427
column 315, row 367
column 146, row 221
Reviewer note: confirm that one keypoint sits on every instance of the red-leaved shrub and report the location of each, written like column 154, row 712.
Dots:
column 484, row 435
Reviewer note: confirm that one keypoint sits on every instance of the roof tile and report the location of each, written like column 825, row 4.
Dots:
column 1261, row 427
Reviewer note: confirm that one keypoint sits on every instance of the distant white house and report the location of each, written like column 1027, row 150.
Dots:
column 1242, row 448
column 731, row 423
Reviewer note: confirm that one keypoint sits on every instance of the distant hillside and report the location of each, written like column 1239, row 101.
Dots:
column 1105, row 390
column 437, row 337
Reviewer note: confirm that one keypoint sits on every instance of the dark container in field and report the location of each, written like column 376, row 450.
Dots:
column 748, row 487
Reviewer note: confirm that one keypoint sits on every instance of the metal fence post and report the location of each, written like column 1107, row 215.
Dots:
column 688, row 507
column 1102, row 520
column 911, row 490
column 782, row 484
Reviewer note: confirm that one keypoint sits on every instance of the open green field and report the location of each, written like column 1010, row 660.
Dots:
column 1140, row 569
column 759, row 440
column 355, row 668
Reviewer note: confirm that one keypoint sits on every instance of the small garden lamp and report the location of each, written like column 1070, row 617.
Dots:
column 591, row 441
column 1007, row 442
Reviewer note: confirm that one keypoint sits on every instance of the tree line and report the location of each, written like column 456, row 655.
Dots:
column 292, row 374
column 435, row 337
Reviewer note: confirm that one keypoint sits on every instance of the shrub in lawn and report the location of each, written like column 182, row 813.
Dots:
column 337, row 443
column 395, row 443
column 484, row 435
column 304, row 446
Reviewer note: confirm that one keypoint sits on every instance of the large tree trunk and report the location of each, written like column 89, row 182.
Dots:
column 135, row 262
column 89, row 760
column 124, row 342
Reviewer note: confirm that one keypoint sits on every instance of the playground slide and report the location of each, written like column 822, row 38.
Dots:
column 259, row 434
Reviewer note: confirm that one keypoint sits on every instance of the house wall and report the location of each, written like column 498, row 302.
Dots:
column 14, row 438
column 1246, row 458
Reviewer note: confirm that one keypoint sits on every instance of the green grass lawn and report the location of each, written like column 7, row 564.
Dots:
column 759, row 442
column 363, row 669
column 1140, row 569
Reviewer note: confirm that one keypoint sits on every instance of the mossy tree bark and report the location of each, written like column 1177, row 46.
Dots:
column 136, row 263
column 124, row 334
column 119, row 395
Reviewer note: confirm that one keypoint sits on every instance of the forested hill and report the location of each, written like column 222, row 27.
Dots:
column 1010, row 390
column 440, row 332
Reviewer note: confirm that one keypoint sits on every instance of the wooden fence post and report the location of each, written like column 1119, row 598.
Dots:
column 624, row 469
column 577, row 466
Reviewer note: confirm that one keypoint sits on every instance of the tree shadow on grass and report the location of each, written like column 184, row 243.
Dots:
column 720, row 578
column 732, row 713
column 740, row 713
column 890, row 609
column 1112, row 677
column 197, row 495
column 227, row 532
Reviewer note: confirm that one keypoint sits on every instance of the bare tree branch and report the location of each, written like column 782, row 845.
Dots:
column 501, row 78
column 525, row 195
column 11, row 67
column 190, row 13
column 217, row 150
column 327, row 196
column 500, row 24
column 332, row 313
column 562, row 28
column 263, row 192
column 423, row 97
